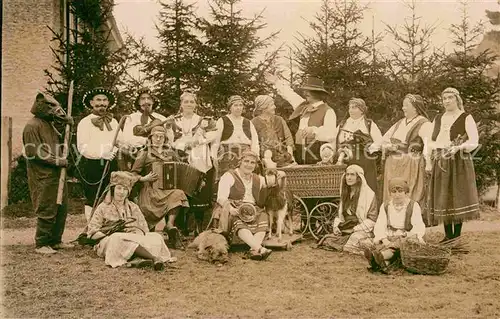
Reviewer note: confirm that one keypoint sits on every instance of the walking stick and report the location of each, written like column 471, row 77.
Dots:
column 67, row 135
column 106, row 166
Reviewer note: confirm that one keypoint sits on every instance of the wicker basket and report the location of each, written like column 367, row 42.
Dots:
column 314, row 180
column 424, row 259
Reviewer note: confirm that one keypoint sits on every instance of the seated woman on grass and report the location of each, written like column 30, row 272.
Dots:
column 357, row 214
column 400, row 218
column 238, row 188
column 135, row 240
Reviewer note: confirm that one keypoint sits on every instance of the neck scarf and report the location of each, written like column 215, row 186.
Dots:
column 102, row 120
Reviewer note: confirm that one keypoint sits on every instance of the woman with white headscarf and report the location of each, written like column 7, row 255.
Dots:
column 273, row 132
column 453, row 192
column 357, row 213
column 404, row 146
column 358, row 138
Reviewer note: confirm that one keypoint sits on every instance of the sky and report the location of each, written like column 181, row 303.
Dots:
column 290, row 17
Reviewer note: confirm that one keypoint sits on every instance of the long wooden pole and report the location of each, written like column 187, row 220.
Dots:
column 106, row 166
column 67, row 135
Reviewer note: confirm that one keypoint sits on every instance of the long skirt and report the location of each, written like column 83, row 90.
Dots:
column 308, row 154
column 156, row 203
column 453, row 192
column 118, row 248
column 203, row 198
column 350, row 241
column 229, row 225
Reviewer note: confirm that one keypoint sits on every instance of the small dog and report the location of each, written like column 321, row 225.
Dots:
column 212, row 247
column 279, row 204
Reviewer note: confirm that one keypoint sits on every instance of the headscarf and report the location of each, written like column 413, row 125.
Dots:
column 233, row 99
column 262, row 102
column 248, row 153
column 398, row 182
column 418, row 103
column 455, row 92
column 157, row 129
column 359, row 103
column 366, row 196
column 126, row 179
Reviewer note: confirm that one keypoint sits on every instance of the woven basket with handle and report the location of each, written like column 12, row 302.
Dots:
column 425, row 259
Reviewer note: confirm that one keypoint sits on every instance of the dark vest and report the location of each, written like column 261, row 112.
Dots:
column 368, row 124
column 237, row 191
column 457, row 128
column 228, row 129
column 408, row 213
column 316, row 118
column 413, row 140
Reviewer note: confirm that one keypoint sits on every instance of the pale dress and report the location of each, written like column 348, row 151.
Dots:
column 118, row 248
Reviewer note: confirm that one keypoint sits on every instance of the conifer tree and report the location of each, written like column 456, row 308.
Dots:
column 232, row 54
column 467, row 70
column 86, row 57
column 178, row 64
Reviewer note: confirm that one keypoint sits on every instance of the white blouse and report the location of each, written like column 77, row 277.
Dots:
column 404, row 127
column 238, row 136
column 443, row 139
column 397, row 220
column 352, row 125
column 93, row 143
column 227, row 181
column 134, row 119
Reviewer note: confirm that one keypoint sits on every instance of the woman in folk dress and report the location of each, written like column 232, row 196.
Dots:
column 155, row 202
column 235, row 134
column 453, row 192
column 274, row 134
column 191, row 136
column 242, row 186
column 357, row 213
column 405, row 145
column 358, row 138
column 120, row 247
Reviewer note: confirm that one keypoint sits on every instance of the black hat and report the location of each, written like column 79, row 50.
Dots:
column 147, row 90
column 99, row 90
column 312, row 83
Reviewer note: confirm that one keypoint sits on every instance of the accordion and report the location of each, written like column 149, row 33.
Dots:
column 177, row 175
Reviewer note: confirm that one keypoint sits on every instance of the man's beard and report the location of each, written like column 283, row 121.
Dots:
column 147, row 109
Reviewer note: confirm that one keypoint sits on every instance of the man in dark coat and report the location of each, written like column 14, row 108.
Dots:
column 43, row 151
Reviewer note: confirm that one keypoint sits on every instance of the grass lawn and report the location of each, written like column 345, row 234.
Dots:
column 302, row 283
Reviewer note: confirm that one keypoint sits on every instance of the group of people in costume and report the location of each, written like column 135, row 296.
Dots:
column 123, row 155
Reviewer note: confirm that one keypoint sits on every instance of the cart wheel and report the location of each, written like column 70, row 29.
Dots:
column 321, row 218
column 299, row 217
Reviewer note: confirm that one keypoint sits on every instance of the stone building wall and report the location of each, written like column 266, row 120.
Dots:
column 25, row 54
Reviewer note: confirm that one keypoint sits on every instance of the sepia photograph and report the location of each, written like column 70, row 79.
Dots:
column 250, row 159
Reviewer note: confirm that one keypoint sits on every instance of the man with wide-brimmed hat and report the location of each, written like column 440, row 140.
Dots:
column 317, row 120
column 95, row 134
column 138, row 126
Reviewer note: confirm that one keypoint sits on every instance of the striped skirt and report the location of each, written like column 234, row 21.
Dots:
column 259, row 224
column 453, row 194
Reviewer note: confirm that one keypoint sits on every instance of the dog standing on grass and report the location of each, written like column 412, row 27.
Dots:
column 212, row 247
